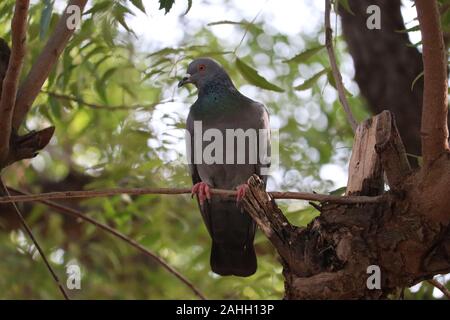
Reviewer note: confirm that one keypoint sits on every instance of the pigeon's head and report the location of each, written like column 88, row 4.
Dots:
column 201, row 71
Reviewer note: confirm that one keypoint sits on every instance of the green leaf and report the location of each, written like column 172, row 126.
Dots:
column 101, row 6
column 93, row 52
column 305, row 55
column 107, row 33
column 152, row 73
column 412, row 29
column 46, row 18
column 345, row 5
column 102, row 60
column 138, row 4
column 209, row 54
column 119, row 14
column 216, row 23
column 189, row 7
column 161, row 61
column 420, row 75
column 54, row 107
column 108, row 75
column 128, row 89
column 445, row 16
column 166, row 5
column 68, row 68
column 101, row 90
column 311, row 81
column 252, row 76
column 414, row 45
column 333, row 83
column 339, row 191
column 164, row 52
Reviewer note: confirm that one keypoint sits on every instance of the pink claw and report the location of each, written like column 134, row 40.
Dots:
column 241, row 190
column 202, row 190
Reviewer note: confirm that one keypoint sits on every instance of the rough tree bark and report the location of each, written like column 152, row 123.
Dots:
column 20, row 100
column 408, row 236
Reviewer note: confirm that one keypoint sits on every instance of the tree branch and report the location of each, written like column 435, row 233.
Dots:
column 382, row 75
column 77, row 214
column 271, row 221
column 11, row 80
column 440, row 286
column 36, row 243
column 334, row 67
column 101, row 106
column 41, row 68
column 28, row 145
column 5, row 54
column 365, row 175
column 377, row 150
column 174, row 191
column 391, row 151
column 434, row 129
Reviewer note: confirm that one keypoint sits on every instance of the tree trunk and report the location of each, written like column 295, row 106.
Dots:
column 386, row 65
column 406, row 236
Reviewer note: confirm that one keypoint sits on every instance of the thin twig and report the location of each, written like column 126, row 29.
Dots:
column 11, row 80
column 173, row 191
column 114, row 232
column 248, row 27
column 328, row 197
column 335, row 69
column 45, row 62
column 36, row 244
column 101, row 106
column 440, row 286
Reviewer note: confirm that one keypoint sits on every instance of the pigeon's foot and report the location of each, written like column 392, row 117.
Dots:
column 241, row 190
column 202, row 190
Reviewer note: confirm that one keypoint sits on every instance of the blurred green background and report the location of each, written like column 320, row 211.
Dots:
column 119, row 123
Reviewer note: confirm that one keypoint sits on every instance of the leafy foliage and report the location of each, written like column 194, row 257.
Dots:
column 345, row 4
column 305, row 55
column 166, row 5
column 252, row 76
column 45, row 17
column 97, row 145
column 311, row 81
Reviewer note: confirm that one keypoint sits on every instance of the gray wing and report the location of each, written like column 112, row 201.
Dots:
column 264, row 146
column 205, row 210
column 190, row 148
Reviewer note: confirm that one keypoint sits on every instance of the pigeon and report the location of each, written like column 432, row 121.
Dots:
column 220, row 107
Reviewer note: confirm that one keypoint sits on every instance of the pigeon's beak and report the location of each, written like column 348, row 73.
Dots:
column 186, row 79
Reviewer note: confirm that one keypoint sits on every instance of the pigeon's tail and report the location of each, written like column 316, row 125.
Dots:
column 227, row 260
column 232, row 231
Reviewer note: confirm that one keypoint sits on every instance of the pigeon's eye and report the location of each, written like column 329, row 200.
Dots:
column 201, row 67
